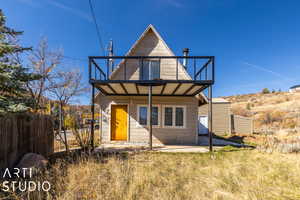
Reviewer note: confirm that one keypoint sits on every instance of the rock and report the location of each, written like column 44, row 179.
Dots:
column 34, row 161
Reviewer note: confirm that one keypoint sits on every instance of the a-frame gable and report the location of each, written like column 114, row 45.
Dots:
column 149, row 34
column 150, row 43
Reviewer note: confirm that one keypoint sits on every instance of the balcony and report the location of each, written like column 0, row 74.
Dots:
column 170, row 75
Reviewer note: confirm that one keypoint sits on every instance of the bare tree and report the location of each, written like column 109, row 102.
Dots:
column 76, row 125
column 42, row 62
column 64, row 86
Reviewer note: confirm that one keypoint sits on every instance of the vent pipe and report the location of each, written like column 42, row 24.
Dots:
column 185, row 60
column 110, row 50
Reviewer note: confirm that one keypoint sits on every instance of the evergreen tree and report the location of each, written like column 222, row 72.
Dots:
column 13, row 76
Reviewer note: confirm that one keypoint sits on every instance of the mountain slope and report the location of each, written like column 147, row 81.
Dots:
column 271, row 112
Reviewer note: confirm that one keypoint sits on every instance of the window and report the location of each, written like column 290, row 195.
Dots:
column 179, row 116
column 168, row 116
column 143, row 115
column 154, row 116
column 174, row 116
column 149, row 70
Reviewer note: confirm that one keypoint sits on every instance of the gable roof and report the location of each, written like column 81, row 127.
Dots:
column 137, row 42
column 148, row 29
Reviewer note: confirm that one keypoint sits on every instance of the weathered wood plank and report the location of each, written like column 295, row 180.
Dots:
column 21, row 134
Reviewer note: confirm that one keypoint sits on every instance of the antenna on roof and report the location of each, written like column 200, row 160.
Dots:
column 110, row 50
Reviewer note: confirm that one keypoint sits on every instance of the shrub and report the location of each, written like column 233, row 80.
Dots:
column 278, row 101
column 265, row 91
column 277, row 116
column 265, row 118
column 289, row 123
column 268, row 117
column 248, row 106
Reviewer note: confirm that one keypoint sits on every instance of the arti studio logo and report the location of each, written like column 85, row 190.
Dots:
column 24, row 185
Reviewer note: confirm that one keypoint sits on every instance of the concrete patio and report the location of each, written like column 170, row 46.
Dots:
column 202, row 146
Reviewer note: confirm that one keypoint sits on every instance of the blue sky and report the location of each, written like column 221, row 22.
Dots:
column 256, row 42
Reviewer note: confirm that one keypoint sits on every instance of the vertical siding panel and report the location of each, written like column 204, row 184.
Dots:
column 151, row 45
column 139, row 134
column 22, row 134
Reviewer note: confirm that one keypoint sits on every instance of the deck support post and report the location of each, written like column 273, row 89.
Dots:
column 210, row 118
column 150, row 115
column 93, row 116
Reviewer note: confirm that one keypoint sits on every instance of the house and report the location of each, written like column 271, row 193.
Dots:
column 295, row 88
column 150, row 81
column 224, row 122
column 221, row 117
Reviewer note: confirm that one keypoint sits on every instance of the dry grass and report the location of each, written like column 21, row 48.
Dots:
column 280, row 143
column 223, row 175
column 280, row 110
column 73, row 143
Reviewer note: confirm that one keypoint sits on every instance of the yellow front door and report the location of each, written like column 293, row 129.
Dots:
column 118, row 122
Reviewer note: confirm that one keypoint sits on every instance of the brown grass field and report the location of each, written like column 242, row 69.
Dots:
column 271, row 112
column 271, row 171
column 227, row 174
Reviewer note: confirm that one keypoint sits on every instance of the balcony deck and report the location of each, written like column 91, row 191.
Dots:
column 200, row 71
column 178, row 76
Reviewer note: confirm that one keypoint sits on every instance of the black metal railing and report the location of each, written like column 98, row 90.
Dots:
column 199, row 68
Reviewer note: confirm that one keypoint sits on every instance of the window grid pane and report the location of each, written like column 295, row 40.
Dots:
column 154, row 70
column 155, row 116
column 145, row 70
column 168, row 116
column 143, row 115
column 149, row 70
column 179, row 116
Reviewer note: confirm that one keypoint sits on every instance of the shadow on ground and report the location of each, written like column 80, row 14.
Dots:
column 235, row 141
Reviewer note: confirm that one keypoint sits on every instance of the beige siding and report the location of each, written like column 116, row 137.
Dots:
column 138, row 134
column 151, row 45
column 220, row 117
column 242, row 124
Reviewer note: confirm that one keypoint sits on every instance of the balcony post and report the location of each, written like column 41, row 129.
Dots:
column 90, row 69
column 213, row 69
column 107, row 68
column 150, row 115
column 93, row 116
column 125, row 69
column 195, row 70
column 210, row 118
column 176, row 68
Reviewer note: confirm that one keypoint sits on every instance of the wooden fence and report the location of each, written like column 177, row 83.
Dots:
column 24, row 133
column 240, row 124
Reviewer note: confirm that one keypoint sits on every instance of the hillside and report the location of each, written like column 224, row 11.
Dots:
column 272, row 112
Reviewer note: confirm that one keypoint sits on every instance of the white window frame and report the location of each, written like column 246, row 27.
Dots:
column 138, row 115
column 149, row 68
column 174, row 116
